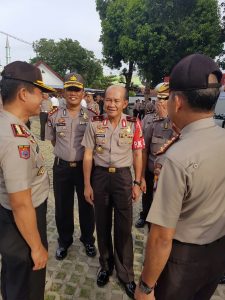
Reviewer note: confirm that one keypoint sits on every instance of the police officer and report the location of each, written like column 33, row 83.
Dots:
column 157, row 130
column 185, row 249
column 149, row 107
column 46, row 106
column 91, row 104
column 24, row 186
column 114, row 140
column 65, row 129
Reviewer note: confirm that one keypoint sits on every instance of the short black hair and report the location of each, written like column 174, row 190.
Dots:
column 201, row 100
column 9, row 88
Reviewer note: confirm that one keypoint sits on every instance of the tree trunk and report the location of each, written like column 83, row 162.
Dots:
column 128, row 75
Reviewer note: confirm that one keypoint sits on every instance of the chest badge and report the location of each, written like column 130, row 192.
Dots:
column 41, row 171
column 99, row 149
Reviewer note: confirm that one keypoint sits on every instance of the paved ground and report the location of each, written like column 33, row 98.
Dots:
column 75, row 277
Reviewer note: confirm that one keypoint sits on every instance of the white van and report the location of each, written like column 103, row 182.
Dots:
column 219, row 115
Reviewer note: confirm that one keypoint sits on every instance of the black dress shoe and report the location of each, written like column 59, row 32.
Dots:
column 129, row 288
column 61, row 253
column 222, row 280
column 90, row 250
column 140, row 223
column 103, row 277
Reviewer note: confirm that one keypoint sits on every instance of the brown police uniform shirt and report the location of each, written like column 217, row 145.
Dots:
column 67, row 132
column 21, row 163
column 113, row 147
column 94, row 107
column 190, row 194
column 148, row 119
column 156, row 135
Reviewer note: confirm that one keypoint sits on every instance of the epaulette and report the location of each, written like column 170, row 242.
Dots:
column 19, row 130
column 158, row 119
column 55, row 109
column 167, row 145
column 131, row 119
column 92, row 110
column 97, row 118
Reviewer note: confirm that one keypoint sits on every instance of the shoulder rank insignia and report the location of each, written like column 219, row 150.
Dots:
column 131, row 119
column 24, row 151
column 53, row 111
column 92, row 110
column 20, row 130
column 97, row 118
column 167, row 145
column 158, row 119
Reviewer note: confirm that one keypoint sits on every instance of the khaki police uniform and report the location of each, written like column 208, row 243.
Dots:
column 94, row 107
column 190, row 197
column 112, row 186
column 68, row 132
column 156, row 134
column 21, row 168
column 46, row 106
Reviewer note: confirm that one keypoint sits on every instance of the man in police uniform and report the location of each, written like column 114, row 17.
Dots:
column 65, row 128
column 24, row 186
column 91, row 104
column 115, row 142
column 46, row 107
column 157, row 131
column 185, row 249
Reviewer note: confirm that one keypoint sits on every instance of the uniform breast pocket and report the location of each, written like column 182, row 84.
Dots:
column 125, row 141
column 157, row 143
column 100, row 139
column 61, row 131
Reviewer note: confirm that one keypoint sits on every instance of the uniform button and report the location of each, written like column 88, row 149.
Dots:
column 195, row 166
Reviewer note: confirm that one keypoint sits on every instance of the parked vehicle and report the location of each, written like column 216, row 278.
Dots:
column 219, row 115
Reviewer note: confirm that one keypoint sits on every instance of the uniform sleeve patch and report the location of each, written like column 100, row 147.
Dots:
column 24, row 151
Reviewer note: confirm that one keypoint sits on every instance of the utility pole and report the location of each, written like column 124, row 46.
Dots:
column 7, row 51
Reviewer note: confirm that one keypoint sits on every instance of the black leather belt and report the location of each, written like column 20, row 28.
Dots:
column 112, row 169
column 72, row 164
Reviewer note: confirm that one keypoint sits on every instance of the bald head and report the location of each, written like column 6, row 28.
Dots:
column 117, row 89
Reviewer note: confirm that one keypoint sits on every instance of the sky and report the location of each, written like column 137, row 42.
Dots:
column 52, row 19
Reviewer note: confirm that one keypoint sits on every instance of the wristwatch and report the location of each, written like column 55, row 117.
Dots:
column 137, row 182
column 144, row 288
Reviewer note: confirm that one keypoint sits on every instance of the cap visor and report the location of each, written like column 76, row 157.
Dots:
column 45, row 88
column 78, row 85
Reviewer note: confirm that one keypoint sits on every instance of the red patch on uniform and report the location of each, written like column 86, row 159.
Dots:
column 138, row 140
column 24, row 151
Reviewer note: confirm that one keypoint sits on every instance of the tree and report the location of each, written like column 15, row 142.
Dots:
column 154, row 35
column 68, row 55
column 119, row 21
column 176, row 29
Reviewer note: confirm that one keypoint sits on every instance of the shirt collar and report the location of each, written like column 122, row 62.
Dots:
column 197, row 125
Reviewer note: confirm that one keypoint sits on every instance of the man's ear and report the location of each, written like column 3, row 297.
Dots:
column 125, row 104
column 22, row 94
column 179, row 102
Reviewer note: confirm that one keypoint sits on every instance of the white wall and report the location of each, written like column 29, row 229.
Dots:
column 49, row 78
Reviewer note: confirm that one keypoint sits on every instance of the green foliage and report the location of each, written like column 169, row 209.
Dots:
column 154, row 35
column 103, row 82
column 68, row 55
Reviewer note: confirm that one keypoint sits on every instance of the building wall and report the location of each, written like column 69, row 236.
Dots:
column 49, row 78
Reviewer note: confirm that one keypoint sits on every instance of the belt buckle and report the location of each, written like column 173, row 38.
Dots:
column 112, row 170
column 73, row 164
